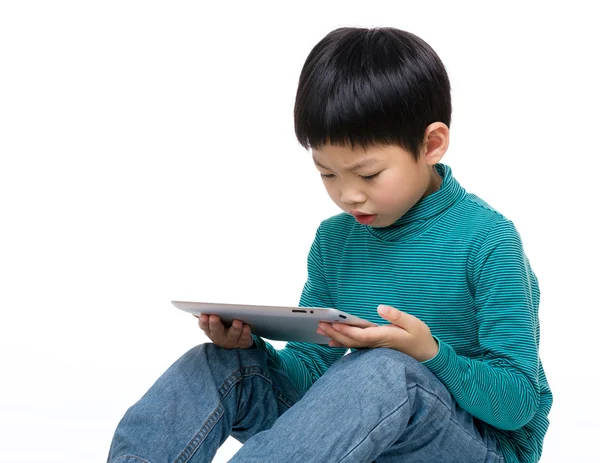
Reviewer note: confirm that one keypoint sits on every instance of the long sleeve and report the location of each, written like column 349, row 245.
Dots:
column 305, row 363
column 500, row 388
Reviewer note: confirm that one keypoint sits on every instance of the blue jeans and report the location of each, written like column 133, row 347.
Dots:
column 373, row 404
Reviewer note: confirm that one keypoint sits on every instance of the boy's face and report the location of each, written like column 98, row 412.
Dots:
column 378, row 185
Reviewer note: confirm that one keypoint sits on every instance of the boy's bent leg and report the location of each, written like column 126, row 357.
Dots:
column 205, row 396
column 375, row 404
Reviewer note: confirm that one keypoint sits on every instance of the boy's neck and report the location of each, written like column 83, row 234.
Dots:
column 435, row 182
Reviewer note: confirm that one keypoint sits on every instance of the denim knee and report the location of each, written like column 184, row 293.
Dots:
column 210, row 350
column 204, row 350
column 380, row 360
column 213, row 354
column 390, row 368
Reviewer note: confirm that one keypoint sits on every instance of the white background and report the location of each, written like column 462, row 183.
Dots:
column 148, row 154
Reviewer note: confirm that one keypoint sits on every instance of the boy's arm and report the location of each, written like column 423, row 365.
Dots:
column 303, row 362
column 501, row 388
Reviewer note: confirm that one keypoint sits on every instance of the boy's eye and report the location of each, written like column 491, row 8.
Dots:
column 369, row 177
column 327, row 175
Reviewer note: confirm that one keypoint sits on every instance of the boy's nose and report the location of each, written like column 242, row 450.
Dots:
column 352, row 196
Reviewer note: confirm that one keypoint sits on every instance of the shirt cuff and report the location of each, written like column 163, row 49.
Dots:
column 258, row 343
column 441, row 361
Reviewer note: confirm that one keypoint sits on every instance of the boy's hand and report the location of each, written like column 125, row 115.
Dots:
column 237, row 335
column 407, row 334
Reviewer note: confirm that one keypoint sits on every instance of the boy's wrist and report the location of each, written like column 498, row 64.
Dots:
column 440, row 360
column 431, row 351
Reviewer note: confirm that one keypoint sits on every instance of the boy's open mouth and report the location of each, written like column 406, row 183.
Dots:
column 364, row 219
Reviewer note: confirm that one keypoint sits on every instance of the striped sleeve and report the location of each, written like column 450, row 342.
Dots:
column 305, row 363
column 500, row 388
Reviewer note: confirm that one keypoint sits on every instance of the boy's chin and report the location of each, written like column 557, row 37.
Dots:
column 383, row 222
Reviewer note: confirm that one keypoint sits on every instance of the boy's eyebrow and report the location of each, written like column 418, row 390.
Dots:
column 358, row 165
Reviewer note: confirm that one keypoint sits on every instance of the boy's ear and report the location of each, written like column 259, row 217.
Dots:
column 435, row 142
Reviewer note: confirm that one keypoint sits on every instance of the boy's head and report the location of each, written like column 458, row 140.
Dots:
column 369, row 87
column 374, row 94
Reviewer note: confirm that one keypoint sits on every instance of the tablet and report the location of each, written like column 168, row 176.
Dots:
column 276, row 322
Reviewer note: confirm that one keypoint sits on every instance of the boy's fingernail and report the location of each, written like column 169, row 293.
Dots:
column 320, row 331
column 383, row 310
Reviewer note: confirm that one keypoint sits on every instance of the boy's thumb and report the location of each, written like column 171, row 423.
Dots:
column 385, row 310
column 390, row 313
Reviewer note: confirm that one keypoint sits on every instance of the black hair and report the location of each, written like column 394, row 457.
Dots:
column 370, row 87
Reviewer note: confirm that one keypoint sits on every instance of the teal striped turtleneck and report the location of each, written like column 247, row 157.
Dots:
column 459, row 266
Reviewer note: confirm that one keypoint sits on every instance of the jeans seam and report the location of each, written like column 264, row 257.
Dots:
column 378, row 424
column 404, row 403
column 236, row 376
column 473, row 438
column 129, row 457
column 216, row 415
column 456, row 423
column 279, row 395
column 253, row 370
column 201, row 435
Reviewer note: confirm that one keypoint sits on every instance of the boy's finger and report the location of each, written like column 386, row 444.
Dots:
column 398, row 318
column 233, row 333
column 203, row 324
column 367, row 336
column 245, row 337
column 337, row 336
column 215, row 326
column 360, row 335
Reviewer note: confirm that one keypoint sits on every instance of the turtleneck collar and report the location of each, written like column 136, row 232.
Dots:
column 425, row 212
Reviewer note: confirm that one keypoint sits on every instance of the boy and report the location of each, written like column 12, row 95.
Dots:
column 451, row 374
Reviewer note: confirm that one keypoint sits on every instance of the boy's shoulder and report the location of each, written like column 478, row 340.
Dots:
column 481, row 219
column 476, row 209
column 483, row 208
